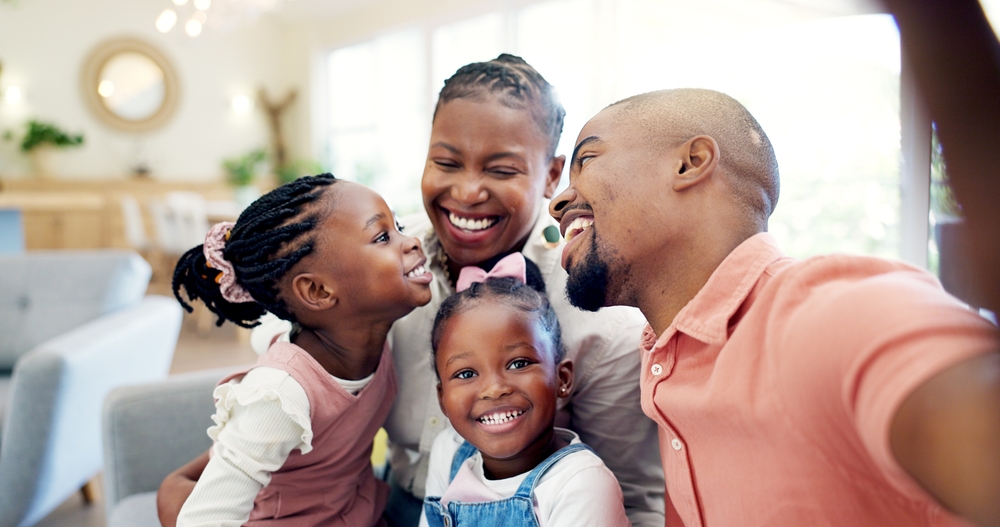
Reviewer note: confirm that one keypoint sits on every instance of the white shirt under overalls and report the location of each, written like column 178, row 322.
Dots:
column 577, row 491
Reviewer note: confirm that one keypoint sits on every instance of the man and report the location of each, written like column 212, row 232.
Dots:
column 837, row 390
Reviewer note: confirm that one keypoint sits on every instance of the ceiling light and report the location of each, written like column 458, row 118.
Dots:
column 165, row 22
column 193, row 28
column 12, row 95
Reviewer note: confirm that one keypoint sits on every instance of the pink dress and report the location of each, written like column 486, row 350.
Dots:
column 333, row 484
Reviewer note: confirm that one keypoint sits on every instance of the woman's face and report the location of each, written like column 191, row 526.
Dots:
column 488, row 169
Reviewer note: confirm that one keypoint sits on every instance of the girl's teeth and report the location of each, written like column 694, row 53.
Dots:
column 498, row 418
column 416, row 272
column 468, row 224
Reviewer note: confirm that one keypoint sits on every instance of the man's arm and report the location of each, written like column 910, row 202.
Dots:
column 946, row 435
column 176, row 488
column 955, row 57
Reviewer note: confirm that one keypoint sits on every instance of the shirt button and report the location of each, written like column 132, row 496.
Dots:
column 676, row 443
column 434, row 420
column 656, row 369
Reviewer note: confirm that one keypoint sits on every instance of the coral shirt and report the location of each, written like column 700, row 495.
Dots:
column 776, row 386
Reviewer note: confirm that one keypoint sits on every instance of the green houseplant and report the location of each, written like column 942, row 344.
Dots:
column 41, row 141
column 241, row 171
column 41, row 134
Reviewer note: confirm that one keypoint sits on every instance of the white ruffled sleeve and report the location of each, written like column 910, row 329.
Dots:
column 259, row 420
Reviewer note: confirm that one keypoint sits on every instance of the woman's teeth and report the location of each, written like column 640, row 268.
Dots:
column 470, row 225
column 419, row 271
column 499, row 418
column 578, row 226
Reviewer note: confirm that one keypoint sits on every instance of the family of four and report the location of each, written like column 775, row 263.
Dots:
column 763, row 390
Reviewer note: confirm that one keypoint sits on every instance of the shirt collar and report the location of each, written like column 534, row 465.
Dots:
column 706, row 317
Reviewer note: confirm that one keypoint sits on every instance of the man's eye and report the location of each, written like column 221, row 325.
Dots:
column 464, row 374
column 517, row 364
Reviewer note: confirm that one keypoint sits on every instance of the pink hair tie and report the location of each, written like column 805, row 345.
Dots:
column 215, row 242
column 510, row 266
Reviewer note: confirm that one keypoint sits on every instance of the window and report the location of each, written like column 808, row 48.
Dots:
column 824, row 85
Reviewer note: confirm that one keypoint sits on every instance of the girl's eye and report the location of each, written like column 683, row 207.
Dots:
column 518, row 364
column 399, row 227
column 464, row 374
column 446, row 164
column 584, row 159
column 383, row 237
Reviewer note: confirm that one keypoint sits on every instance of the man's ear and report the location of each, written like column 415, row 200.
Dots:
column 699, row 157
column 564, row 378
column 314, row 292
column 554, row 175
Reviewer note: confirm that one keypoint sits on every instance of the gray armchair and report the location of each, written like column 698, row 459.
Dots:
column 73, row 325
column 150, row 430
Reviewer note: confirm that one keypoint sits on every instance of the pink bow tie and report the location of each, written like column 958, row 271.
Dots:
column 510, row 266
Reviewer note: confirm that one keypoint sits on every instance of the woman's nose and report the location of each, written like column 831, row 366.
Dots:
column 469, row 190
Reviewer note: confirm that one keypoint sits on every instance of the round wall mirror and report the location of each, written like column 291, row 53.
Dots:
column 130, row 85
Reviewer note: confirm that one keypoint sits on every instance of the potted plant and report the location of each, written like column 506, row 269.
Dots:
column 296, row 169
column 41, row 140
column 241, row 172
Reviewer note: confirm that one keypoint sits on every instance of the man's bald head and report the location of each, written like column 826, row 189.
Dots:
column 671, row 117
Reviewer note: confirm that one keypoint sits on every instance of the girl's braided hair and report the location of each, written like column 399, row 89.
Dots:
column 269, row 238
column 529, row 297
column 516, row 84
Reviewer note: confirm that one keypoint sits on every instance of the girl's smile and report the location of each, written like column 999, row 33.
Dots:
column 499, row 384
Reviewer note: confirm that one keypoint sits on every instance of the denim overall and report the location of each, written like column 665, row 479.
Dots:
column 515, row 511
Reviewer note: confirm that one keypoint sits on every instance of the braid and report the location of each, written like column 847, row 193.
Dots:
column 529, row 298
column 269, row 238
column 516, row 84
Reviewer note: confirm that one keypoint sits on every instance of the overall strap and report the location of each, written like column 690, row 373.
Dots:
column 464, row 452
column 528, row 485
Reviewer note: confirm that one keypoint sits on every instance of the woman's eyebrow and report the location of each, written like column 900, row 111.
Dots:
column 447, row 147
column 504, row 155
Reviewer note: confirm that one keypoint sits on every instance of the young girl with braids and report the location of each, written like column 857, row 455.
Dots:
column 293, row 434
column 499, row 359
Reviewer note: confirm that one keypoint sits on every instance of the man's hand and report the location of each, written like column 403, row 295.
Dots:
column 947, row 436
column 176, row 488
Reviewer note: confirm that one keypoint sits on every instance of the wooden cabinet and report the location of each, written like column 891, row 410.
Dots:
column 88, row 214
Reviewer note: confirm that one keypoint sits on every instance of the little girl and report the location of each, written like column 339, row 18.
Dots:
column 498, row 355
column 293, row 434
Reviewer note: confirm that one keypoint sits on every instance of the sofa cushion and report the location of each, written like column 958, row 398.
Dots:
column 46, row 293
column 137, row 510
column 4, row 396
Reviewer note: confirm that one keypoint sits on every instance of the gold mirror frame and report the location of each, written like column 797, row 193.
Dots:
column 91, row 78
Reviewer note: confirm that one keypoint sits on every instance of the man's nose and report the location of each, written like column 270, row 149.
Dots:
column 558, row 204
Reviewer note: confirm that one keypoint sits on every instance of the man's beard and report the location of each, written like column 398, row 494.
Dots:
column 587, row 285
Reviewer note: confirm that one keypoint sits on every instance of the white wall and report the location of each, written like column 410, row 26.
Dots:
column 43, row 44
